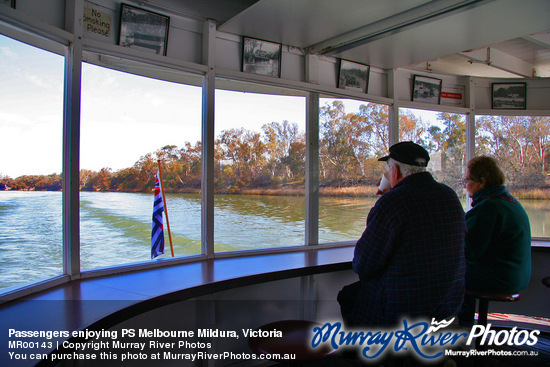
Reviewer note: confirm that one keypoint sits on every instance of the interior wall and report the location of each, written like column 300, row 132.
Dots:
column 185, row 43
column 51, row 12
column 537, row 95
column 535, row 299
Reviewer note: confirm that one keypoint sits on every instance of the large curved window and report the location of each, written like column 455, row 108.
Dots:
column 352, row 136
column 259, row 171
column 521, row 146
column 31, row 123
column 128, row 123
column 444, row 136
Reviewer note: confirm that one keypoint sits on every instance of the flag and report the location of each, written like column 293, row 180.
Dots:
column 157, row 235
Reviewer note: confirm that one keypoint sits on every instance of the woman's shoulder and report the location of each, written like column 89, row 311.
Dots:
column 499, row 205
column 487, row 206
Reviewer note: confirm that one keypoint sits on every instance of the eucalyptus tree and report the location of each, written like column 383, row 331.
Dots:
column 278, row 139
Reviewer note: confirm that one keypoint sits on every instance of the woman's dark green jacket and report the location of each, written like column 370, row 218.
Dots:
column 498, row 242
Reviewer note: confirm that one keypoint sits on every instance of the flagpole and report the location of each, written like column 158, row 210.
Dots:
column 165, row 208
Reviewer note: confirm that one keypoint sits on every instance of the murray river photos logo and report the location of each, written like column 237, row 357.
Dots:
column 428, row 341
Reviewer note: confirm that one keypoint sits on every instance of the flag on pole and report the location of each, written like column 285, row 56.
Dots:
column 157, row 235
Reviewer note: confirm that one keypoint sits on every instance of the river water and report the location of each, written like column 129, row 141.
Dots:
column 116, row 227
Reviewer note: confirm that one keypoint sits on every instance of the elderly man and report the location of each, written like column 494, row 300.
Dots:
column 410, row 258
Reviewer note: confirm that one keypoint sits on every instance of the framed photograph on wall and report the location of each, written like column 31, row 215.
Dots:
column 353, row 76
column 509, row 96
column 10, row 3
column 426, row 89
column 144, row 30
column 261, row 57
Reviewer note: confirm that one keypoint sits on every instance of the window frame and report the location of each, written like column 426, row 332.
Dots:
column 75, row 49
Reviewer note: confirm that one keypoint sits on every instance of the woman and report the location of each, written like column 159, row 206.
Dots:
column 498, row 240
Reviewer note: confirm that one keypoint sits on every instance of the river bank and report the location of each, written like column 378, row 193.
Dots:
column 299, row 190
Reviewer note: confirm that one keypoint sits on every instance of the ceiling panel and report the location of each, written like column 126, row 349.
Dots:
column 306, row 22
column 219, row 10
column 488, row 24
column 533, row 49
column 406, row 33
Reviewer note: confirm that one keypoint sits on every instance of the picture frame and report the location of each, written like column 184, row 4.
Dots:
column 261, row 57
column 353, row 76
column 10, row 3
column 510, row 96
column 143, row 29
column 426, row 89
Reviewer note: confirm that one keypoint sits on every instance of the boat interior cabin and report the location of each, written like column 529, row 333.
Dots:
column 485, row 61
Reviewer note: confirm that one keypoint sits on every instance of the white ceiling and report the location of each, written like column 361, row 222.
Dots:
column 500, row 38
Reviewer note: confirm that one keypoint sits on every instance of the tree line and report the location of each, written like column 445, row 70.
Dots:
column 350, row 144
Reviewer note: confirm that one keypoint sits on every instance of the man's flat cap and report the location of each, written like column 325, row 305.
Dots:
column 409, row 153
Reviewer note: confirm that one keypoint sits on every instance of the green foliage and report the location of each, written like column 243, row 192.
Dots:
column 32, row 182
column 521, row 144
column 350, row 144
column 349, row 140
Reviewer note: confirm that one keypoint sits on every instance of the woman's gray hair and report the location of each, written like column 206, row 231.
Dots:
column 406, row 169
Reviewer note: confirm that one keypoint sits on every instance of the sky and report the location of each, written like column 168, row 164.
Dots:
column 123, row 116
column 126, row 116
column 30, row 109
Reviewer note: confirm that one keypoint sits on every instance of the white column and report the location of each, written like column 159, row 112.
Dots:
column 312, row 169
column 393, row 116
column 470, row 127
column 470, row 120
column 207, row 152
column 71, row 141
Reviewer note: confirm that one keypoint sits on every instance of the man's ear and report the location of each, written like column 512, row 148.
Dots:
column 398, row 174
column 391, row 172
